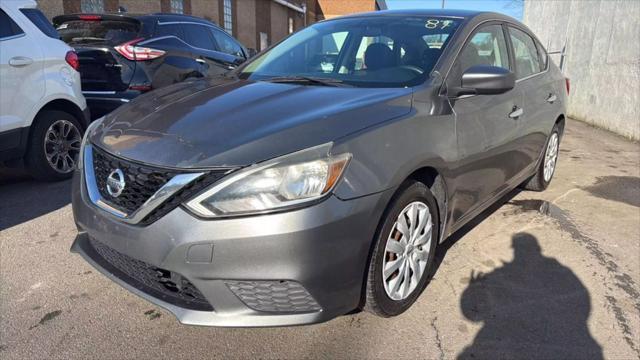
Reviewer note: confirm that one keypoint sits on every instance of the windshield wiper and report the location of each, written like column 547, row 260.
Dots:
column 308, row 80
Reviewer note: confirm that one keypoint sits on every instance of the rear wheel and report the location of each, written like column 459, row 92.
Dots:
column 547, row 167
column 54, row 146
column 403, row 255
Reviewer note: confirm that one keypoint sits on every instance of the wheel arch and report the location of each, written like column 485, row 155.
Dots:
column 560, row 121
column 433, row 179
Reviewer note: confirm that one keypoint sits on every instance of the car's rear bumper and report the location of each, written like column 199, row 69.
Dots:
column 290, row 268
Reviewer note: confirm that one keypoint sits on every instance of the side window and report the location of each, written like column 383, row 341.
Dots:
column 488, row 46
column 170, row 30
column 7, row 26
column 227, row 44
column 199, row 36
column 526, row 55
column 542, row 54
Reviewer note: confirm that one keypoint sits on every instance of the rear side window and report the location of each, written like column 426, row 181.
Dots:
column 542, row 54
column 8, row 27
column 111, row 32
column 227, row 44
column 170, row 30
column 198, row 36
column 525, row 52
column 41, row 21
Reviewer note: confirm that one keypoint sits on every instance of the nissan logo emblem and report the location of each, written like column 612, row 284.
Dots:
column 115, row 183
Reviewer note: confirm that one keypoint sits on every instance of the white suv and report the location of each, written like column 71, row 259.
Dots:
column 42, row 111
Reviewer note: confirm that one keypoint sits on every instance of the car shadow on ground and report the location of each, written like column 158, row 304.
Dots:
column 23, row 198
column 531, row 305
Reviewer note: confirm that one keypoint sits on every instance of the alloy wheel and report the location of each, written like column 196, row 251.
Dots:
column 407, row 251
column 62, row 146
column 550, row 157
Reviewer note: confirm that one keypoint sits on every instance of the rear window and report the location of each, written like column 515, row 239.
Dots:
column 111, row 32
column 41, row 21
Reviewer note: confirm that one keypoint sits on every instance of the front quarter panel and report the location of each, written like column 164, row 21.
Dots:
column 384, row 156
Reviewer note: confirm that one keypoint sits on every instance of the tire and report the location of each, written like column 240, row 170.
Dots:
column 539, row 182
column 36, row 156
column 378, row 299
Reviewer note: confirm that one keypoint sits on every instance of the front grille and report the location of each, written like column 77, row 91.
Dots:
column 274, row 296
column 184, row 194
column 142, row 181
column 162, row 284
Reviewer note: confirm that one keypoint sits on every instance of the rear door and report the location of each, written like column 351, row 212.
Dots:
column 206, row 51
column 94, row 37
column 486, row 134
column 178, row 63
column 21, row 71
column 534, row 82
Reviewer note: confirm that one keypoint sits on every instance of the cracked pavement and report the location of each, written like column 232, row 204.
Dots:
column 552, row 274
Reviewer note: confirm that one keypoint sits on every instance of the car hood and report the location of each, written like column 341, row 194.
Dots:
column 225, row 122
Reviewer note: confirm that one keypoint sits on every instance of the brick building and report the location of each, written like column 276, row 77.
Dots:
column 256, row 23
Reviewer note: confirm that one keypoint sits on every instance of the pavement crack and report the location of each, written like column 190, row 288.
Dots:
column 438, row 340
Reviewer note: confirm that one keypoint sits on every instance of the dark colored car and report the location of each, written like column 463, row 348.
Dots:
column 122, row 55
column 320, row 176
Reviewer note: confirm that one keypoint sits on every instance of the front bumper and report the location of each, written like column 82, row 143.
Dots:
column 298, row 267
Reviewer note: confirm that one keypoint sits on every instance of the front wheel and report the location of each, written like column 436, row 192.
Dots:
column 404, row 251
column 547, row 167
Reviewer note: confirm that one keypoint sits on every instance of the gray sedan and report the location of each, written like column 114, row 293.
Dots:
column 319, row 177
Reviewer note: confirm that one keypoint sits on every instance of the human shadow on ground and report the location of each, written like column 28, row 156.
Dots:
column 530, row 307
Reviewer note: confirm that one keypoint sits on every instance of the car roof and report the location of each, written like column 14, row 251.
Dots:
column 466, row 14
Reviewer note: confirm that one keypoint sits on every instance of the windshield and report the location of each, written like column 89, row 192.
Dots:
column 107, row 31
column 387, row 51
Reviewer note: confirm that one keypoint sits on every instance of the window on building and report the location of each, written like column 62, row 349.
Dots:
column 228, row 16
column 177, row 6
column 290, row 25
column 264, row 41
column 92, row 6
column 525, row 52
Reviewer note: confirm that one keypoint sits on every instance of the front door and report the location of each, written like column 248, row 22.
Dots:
column 486, row 125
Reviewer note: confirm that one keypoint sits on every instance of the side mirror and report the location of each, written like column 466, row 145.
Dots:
column 251, row 53
column 486, row 80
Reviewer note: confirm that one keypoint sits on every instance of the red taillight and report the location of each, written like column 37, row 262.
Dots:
column 137, row 53
column 567, row 84
column 141, row 88
column 90, row 17
column 72, row 60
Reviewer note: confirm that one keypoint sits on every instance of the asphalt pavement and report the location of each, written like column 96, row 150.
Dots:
column 539, row 275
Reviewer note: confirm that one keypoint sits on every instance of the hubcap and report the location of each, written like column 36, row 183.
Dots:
column 550, row 157
column 62, row 146
column 407, row 251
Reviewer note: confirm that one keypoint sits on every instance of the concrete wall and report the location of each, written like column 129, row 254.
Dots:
column 602, row 57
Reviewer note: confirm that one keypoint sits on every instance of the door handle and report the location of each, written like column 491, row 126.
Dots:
column 552, row 98
column 201, row 61
column 516, row 113
column 20, row 61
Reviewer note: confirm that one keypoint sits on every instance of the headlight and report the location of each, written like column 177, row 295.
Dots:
column 85, row 138
column 277, row 184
